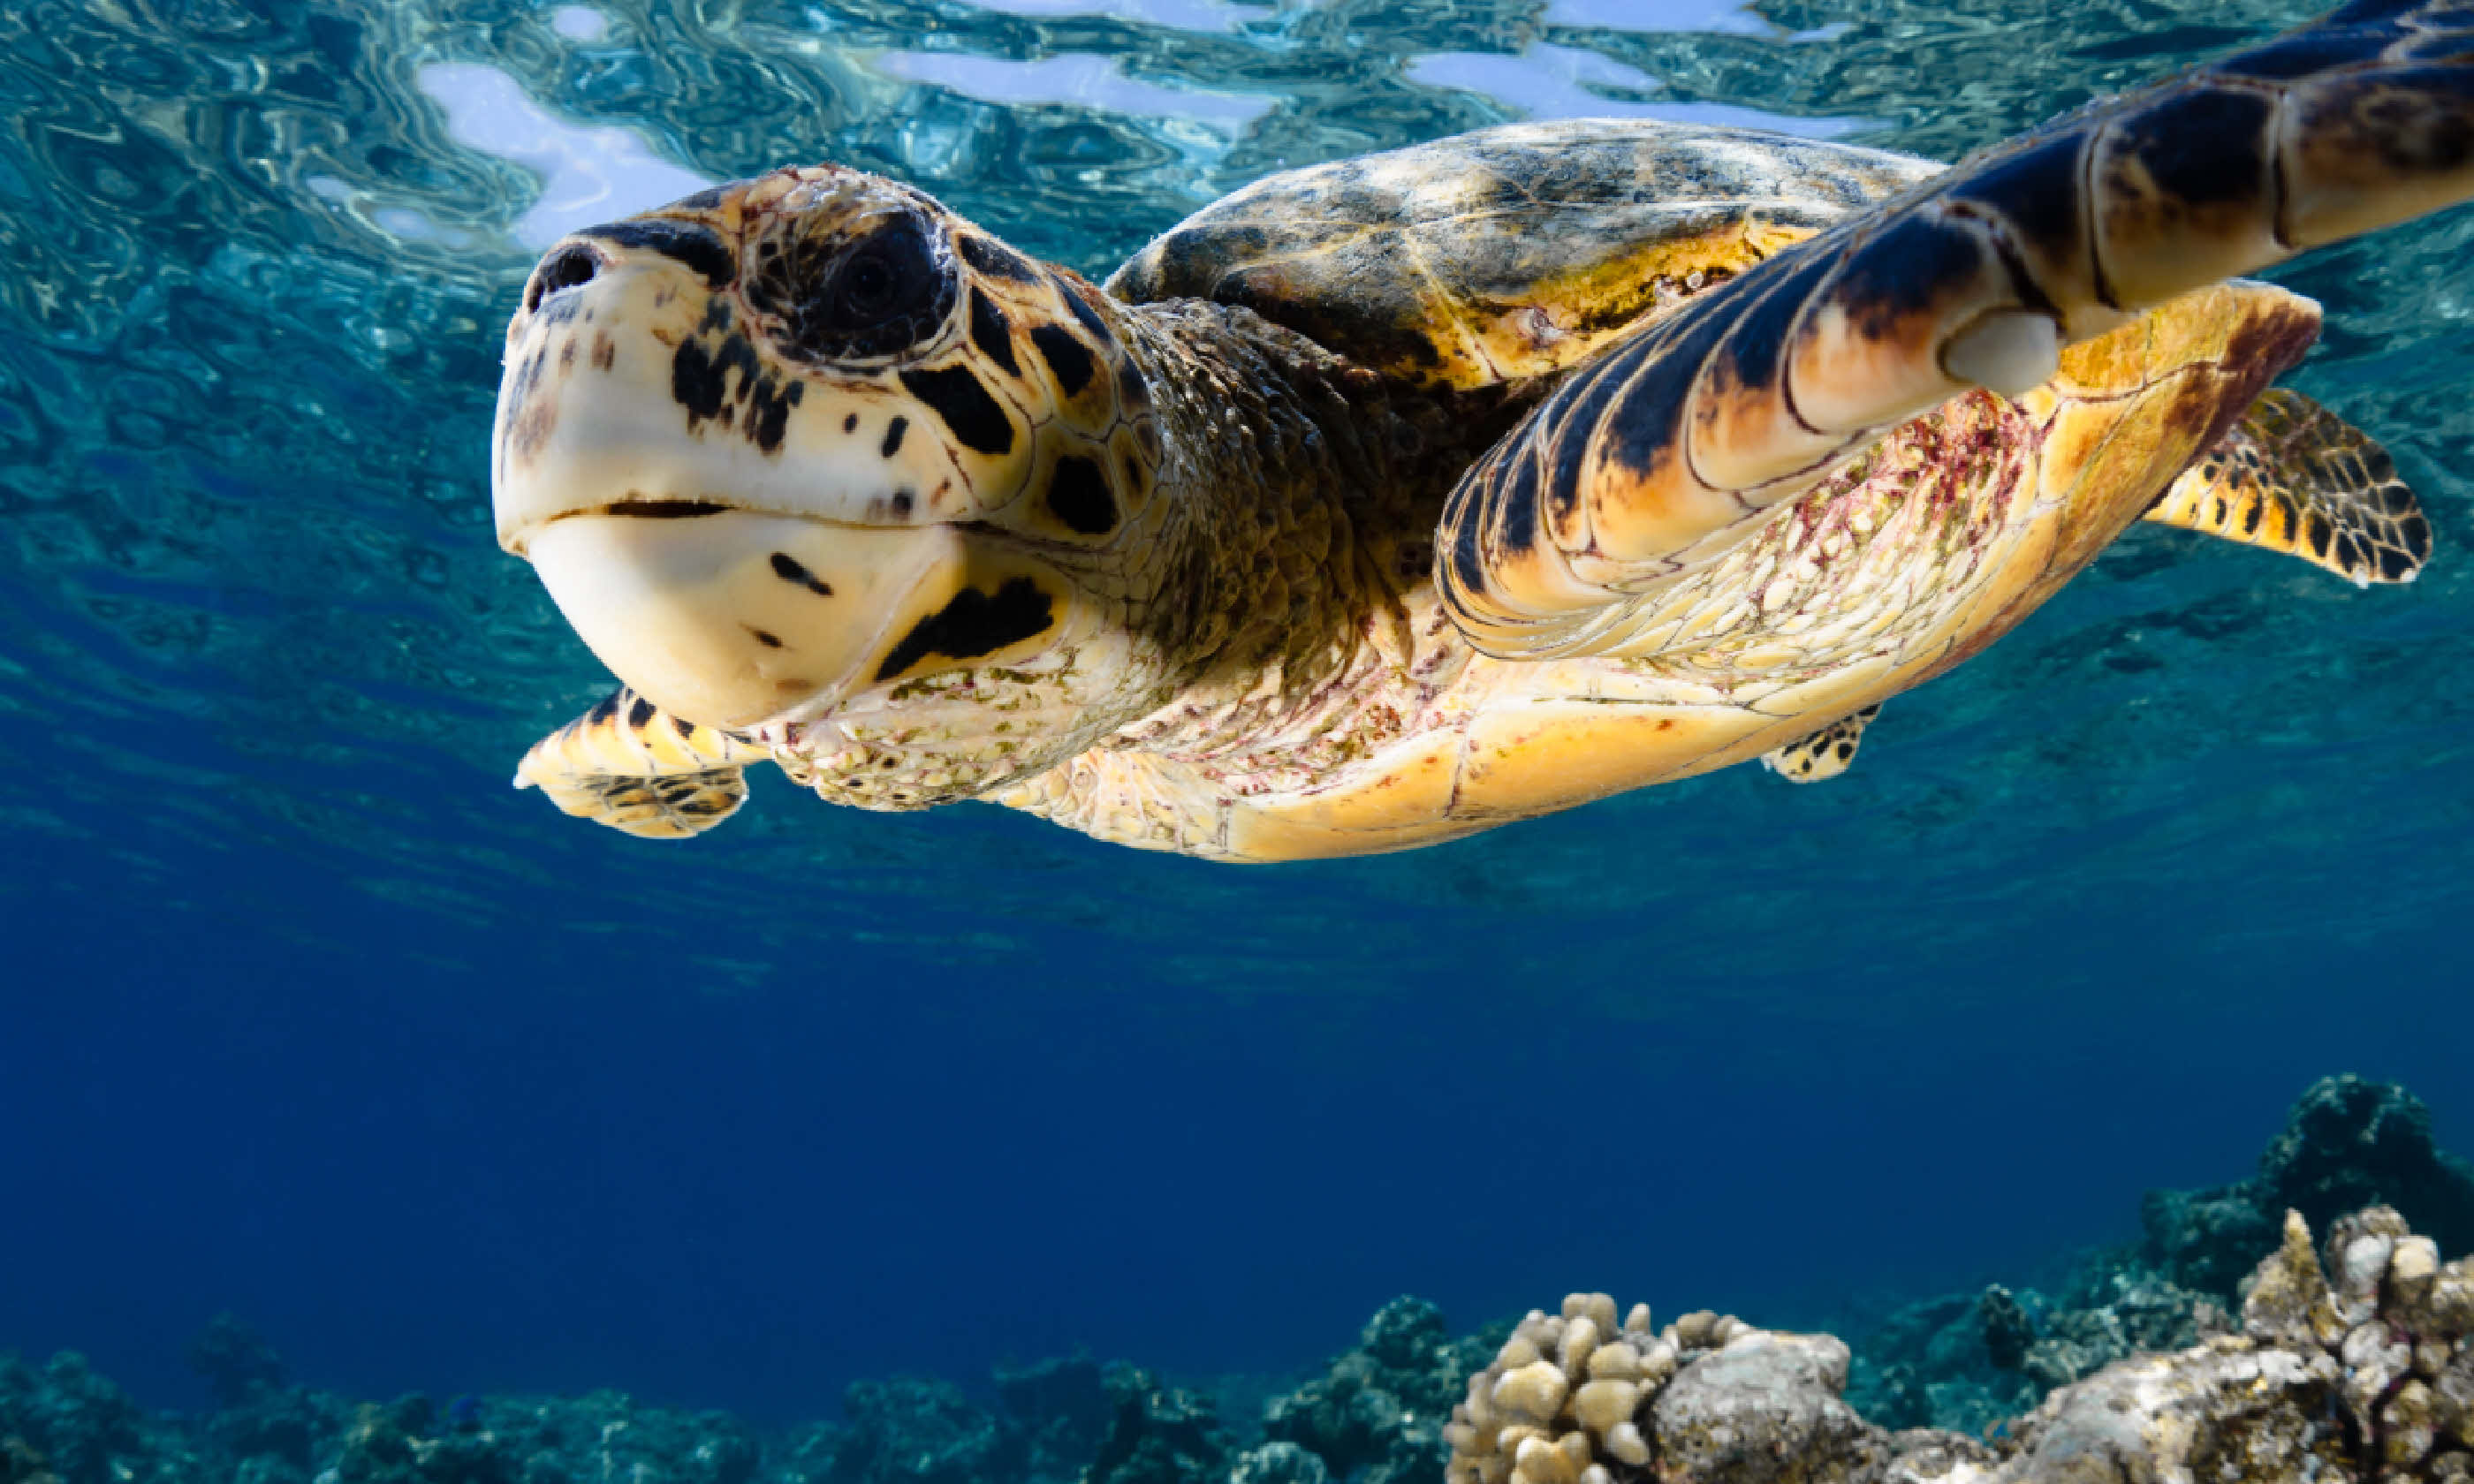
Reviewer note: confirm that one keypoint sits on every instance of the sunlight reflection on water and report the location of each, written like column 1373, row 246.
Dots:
column 1564, row 82
column 1174, row 14
column 588, row 175
column 1078, row 79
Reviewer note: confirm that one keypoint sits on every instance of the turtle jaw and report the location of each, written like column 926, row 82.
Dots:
column 744, row 619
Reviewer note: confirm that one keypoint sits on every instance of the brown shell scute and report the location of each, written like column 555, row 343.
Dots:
column 1509, row 252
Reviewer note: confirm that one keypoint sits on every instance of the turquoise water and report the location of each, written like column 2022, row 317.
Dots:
column 309, row 1014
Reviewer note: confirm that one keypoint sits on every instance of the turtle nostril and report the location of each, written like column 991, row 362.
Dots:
column 564, row 269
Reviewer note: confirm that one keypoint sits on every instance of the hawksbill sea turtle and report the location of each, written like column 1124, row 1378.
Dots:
column 1389, row 500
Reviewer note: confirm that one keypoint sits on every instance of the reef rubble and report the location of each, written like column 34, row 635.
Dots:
column 2223, row 1345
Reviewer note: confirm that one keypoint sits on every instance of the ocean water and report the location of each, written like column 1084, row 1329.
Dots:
column 305, row 1015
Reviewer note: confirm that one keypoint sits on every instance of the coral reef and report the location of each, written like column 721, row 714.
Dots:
column 2347, row 1143
column 1062, row 1408
column 67, row 1422
column 235, row 1361
column 908, row 1431
column 1377, row 1413
column 2357, row 1371
column 2126, row 1364
column 1971, row 1361
column 1158, row 1435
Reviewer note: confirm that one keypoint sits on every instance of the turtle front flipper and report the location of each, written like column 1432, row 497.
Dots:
column 1665, row 452
column 629, row 765
column 2295, row 477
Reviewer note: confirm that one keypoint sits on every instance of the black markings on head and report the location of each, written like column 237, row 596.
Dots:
column 695, row 247
column 1133, row 393
column 604, row 708
column 700, row 374
column 957, row 396
column 788, row 568
column 850, row 423
column 701, row 382
column 684, row 728
column 972, row 625
column 1079, row 495
column 640, row 713
column 993, row 257
column 761, row 637
column 901, row 503
column 1065, row 356
column 769, row 417
column 893, row 432
column 990, row 333
column 1082, row 311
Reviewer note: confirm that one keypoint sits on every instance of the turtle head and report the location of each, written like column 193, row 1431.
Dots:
column 799, row 447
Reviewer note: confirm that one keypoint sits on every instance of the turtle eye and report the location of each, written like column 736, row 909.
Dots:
column 889, row 277
column 868, row 288
column 838, row 298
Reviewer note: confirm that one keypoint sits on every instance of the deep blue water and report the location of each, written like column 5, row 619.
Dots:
column 306, row 1016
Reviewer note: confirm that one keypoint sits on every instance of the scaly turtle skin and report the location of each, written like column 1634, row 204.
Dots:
column 1391, row 500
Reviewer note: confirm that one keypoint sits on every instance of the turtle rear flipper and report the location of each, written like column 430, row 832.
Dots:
column 2295, row 477
column 629, row 765
column 1664, row 452
column 1825, row 753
